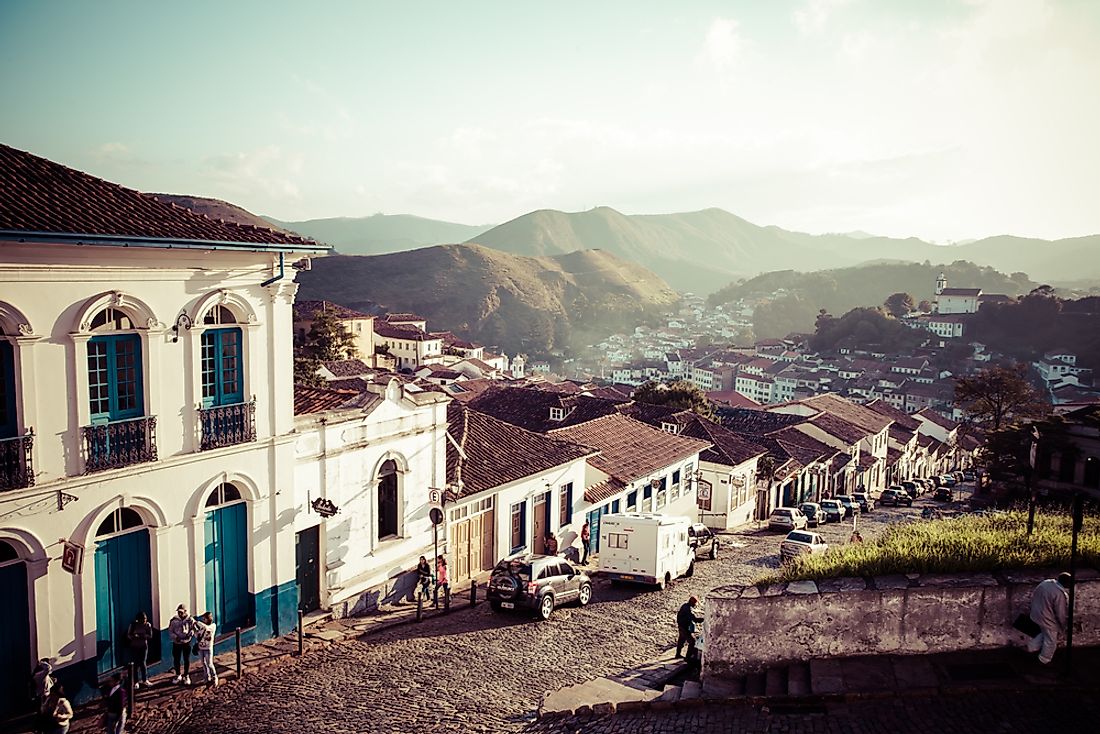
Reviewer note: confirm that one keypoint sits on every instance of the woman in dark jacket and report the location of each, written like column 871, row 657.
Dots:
column 424, row 577
column 139, row 634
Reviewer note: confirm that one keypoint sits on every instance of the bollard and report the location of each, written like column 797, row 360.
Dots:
column 130, row 689
column 237, row 639
column 447, row 599
column 473, row 593
column 301, row 638
column 419, row 607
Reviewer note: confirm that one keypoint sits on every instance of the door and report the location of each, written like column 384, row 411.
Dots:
column 123, row 587
column 307, row 547
column 594, row 531
column 460, row 558
column 226, row 566
column 542, row 522
column 488, row 547
column 15, row 642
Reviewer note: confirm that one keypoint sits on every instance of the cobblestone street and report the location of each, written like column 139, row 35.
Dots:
column 477, row 670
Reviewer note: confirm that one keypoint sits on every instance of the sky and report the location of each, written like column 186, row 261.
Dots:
column 941, row 119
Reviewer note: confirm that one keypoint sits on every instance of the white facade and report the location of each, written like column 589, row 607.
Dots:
column 733, row 493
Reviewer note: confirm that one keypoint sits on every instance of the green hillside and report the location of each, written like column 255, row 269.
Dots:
column 380, row 233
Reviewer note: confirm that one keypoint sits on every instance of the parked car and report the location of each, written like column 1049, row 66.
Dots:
column 945, row 494
column 786, row 518
column 813, row 513
column 801, row 542
column 851, row 507
column 968, row 475
column 896, row 497
column 703, row 540
column 537, row 583
column 832, row 511
column 948, row 481
column 866, row 504
column 910, row 487
column 929, row 484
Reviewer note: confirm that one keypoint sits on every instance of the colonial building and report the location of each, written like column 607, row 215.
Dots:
column 145, row 422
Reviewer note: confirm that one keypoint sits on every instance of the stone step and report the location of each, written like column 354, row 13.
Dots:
column 719, row 688
column 670, row 693
column 754, row 684
column 826, row 677
column 798, row 679
column 775, row 682
column 691, row 689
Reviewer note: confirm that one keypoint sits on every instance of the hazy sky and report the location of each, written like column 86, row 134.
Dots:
column 944, row 119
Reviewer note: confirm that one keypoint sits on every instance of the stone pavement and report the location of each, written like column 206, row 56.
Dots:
column 643, row 683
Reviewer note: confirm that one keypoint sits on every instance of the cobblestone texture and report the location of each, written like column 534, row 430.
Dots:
column 479, row 671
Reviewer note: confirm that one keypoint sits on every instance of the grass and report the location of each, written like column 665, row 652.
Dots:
column 968, row 543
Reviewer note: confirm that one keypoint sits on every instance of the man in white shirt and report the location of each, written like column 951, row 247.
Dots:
column 1049, row 608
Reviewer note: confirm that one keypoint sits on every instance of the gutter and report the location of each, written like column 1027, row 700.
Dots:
column 97, row 240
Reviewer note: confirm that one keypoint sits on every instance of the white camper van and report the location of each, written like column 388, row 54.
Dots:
column 647, row 548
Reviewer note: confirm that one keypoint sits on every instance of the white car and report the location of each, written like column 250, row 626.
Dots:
column 801, row 542
column 787, row 518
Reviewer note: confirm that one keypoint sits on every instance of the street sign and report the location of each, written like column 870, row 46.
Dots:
column 703, row 492
column 72, row 557
column 436, row 515
column 435, row 497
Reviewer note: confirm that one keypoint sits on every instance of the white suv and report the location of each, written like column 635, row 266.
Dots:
column 787, row 518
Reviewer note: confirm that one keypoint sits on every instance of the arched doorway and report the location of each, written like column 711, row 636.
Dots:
column 226, row 559
column 15, row 640
column 123, row 585
column 389, row 520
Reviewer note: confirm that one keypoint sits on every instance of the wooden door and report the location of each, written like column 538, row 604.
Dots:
column 488, row 546
column 460, row 559
column 538, row 543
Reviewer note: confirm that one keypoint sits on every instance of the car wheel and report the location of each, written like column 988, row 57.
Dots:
column 664, row 582
column 713, row 550
column 546, row 607
column 691, row 570
column 585, row 594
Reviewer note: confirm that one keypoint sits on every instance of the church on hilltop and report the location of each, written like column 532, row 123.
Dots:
column 961, row 300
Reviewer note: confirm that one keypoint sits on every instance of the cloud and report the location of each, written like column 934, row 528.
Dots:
column 723, row 45
column 267, row 170
column 813, row 16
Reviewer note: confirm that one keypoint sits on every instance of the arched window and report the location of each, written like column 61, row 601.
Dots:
column 222, row 380
column 114, row 368
column 121, row 519
column 223, row 495
column 111, row 319
column 387, row 500
column 219, row 315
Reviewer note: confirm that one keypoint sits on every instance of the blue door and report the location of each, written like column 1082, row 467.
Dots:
column 226, row 565
column 594, row 530
column 15, row 642
column 123, row 587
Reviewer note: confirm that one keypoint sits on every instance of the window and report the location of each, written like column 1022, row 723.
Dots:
column 519, row 526
column 632, row 500
column 8, row 426
column 387, row 500
column 221, row 367
column 565, row 511
column 615, row 506
column 121, row 519
column 224, row 494
column 556, row 414
column 114, row 377
column 618, row 540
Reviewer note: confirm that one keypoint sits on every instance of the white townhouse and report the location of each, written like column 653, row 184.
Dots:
column 728, row 472
column 364, row 467
column 146, row 455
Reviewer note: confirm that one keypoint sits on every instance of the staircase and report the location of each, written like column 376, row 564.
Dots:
column 785, row 681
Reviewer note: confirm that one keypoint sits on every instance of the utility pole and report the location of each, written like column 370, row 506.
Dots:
column 1078, row 521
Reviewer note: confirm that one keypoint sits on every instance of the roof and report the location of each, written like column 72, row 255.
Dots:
column 497, row 453
column 629, row 449
column 839, row 428
column 732, row 398
column 900, row 417
column 933, row 417
column 45, row 201
column 755, row 422
column 306, row 310
column 854, row 413
column 805, row 449
column 530, row 408
column 395, row 318
column 727, row 447
column 966, row 292
column 318, row 399
column 347, row 367
column 397, row 331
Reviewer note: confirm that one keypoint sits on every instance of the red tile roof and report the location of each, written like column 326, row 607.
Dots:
column 529, row 408
column 497, row 453
column 728, row 448
column 400, row 331
column 40, row 196
column 965, row 292
column 347, row 367
column 932, row 416
column 307, row 310
column 845, row 409
column 839, row 428
column 319, row 399
column 900, row 417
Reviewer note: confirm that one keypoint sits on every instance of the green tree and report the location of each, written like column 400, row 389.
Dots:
column 998, row 396
column 305, row 371
column 328, row 339
column 679, row 394
column 899, row 304
column 925, row 305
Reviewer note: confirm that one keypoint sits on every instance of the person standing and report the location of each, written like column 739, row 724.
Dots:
column 586, row 542
column 1049, row 607
column 42, row 678
column 139, row 634
column 551, row 545
column 114, row 722
column 424, row 577
column 181, row 630
column 685, row 625
column 58, row 712
column 442, row 580
column 204, row 640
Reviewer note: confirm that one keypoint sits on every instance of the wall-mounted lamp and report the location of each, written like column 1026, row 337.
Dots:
column 183, row 321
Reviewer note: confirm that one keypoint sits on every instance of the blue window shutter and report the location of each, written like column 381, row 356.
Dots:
column 115, row 382
column 221, row 363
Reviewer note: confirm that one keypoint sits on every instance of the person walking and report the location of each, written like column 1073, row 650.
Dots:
column 424, row 577
column 181, row 630
column 442, row 580
column 586, row 542
column 139, row 634
column 686, row 620
column 204, row 641
column 58, row 712
column 114, row 721
column 1049, row 607
column 43, row 682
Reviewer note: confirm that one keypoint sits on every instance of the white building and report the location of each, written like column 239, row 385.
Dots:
column 145, row 424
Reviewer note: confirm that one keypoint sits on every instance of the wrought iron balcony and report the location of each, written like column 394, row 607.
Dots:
column 227, row 425
column 120, row 443
column 16, row 470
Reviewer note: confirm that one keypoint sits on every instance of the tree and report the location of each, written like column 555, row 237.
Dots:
column 925, row 306
column 305, row 371
column 679, row 394
column 328, row 340
column 997, row 396
column 899, row 304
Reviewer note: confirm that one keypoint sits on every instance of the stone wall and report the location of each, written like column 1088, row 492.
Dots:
column 749, row 628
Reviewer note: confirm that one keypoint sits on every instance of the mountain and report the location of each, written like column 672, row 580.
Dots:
column 536, row 305
column 702, row 251
column 380, row 233
column 217, row 209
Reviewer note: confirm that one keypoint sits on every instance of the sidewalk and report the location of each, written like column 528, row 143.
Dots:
column 164, row 702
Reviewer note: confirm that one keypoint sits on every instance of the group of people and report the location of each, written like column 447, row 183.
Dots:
column 424, row 578
column 54, row 711
column 191, row 636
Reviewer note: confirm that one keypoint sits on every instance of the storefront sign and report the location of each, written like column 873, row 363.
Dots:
column 72, row 557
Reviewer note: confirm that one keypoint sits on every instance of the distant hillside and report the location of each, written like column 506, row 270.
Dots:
column 702, row 251
column 534, row 305
column 217, row 209
column 840, row 290
column 381, row 233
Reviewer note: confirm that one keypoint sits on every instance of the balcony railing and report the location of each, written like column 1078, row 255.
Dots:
column 16, row 470
column 120, row 443
column 227, row 425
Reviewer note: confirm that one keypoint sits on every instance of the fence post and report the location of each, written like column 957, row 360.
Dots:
column 419, row 607
column 130, row 689
column 447, row 599
column 301, row 638
column 473, row 593
column 237, row 639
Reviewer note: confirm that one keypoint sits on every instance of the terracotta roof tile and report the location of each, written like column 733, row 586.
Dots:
column 530, row 408
column 839, row 427
column 752, row 422
column 900, row 417
column 40, row 196
column 728, row 448
column 347, row 367
column 319, row 399
column 845, row 409
column 942, row 421
column 307, row 310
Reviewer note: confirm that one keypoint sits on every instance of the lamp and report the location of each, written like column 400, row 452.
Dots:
column 183, row 321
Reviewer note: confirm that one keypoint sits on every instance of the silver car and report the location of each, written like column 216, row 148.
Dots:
column 787, row 519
